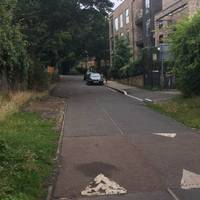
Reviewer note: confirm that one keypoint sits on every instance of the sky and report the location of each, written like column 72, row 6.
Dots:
column 116, row 2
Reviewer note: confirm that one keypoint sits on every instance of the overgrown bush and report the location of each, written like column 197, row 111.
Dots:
column 14, row 61
column 185, row 43
column 123, row 72
column 38, row 78
column 133, row 68
column 81, row 70
column 121, row 56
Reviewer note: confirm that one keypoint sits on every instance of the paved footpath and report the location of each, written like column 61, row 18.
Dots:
column 143, row 94
column 149, row 155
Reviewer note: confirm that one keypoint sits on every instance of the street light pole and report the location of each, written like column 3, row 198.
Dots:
column 162, row 78
column 162, row 70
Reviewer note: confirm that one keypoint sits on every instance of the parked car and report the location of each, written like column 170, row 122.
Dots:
column 86, row 75
column 95, row 78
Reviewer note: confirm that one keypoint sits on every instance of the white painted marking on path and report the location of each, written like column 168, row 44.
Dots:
column 190, row 180
column 103, row 186
column 170, row 135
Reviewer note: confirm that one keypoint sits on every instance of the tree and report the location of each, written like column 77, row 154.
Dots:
column 185, row 43
column 14, row 61
column 122, row 55
column 38, row 34
column 96, row 31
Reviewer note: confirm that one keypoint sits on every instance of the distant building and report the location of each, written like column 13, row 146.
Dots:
column 88, row 63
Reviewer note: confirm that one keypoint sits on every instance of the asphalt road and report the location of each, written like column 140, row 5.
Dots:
column 107, row 132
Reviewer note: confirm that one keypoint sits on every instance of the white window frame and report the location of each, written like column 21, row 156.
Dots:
column 147, row 3
column 116, row 24
column 127, row 16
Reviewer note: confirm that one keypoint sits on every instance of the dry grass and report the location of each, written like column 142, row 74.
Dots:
column 11, row 102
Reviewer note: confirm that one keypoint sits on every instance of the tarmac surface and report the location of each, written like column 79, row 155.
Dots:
column 155, row 96
column 109, row 133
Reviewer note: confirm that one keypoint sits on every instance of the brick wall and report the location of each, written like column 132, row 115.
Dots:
column 167, row 3
column 174, row 11
column 194, row 5
column 137, row 81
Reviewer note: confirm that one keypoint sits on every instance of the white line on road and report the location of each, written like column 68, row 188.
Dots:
column 111, row 90
column 119, row 129
column 170, row 135
column 133, row 97
column 148, row 100
column 126, row 94
column 172, row 194
column 112, row 120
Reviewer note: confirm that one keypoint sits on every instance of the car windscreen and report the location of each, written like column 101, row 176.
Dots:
column 95, row 76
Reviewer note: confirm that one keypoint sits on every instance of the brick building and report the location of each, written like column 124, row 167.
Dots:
column 172, row 12
column 145, row 23
column 126, row 21
column 133, row 19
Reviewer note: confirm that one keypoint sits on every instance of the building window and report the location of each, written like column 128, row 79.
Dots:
column 127, row 16
column 121, row 34
column 160, row 24
column 116, row 24
column 121, row 21
column 161, row 37
column 147, row 6
column 147, row 3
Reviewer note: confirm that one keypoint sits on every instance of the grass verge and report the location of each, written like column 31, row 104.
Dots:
column 11, row 102
column 27, row 147
column 184, row 110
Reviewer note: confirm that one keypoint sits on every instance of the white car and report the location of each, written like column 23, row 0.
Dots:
column 95, row 78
